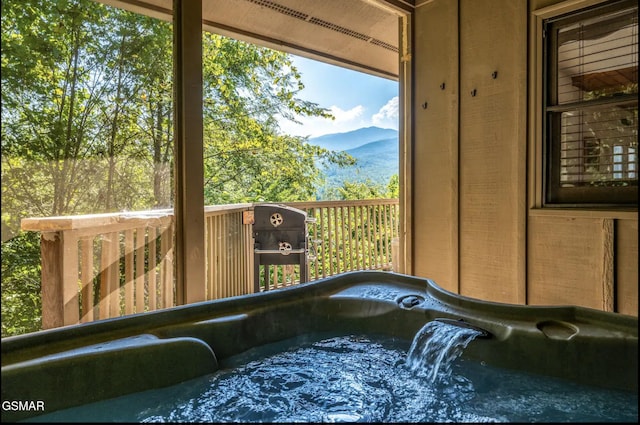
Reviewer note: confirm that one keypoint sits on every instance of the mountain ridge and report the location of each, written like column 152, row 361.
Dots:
column 353, row 139
column 376, row 154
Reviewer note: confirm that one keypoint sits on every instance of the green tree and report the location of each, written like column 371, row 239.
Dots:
column 21, row 304
column 365, row 190
column 87, row 125
column 67, row 108
column 246, row 158
column 87, row 114
column 393, row 187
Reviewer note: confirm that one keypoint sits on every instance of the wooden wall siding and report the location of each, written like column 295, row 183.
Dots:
column 469, row 213
column 493, row 39
column 435, row 150
column 571, row 262
column 626, row 261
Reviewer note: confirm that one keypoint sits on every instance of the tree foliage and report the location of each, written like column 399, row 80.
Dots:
column 246, row 158
column 87, row 126
column 87, row 114
column 365, row 190
column 72, row 116
column 21, row 304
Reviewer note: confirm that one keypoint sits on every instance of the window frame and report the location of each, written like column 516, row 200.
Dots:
column 552, row 194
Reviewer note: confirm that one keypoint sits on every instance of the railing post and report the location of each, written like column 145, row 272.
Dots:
column 59, row 251
column 189, row 170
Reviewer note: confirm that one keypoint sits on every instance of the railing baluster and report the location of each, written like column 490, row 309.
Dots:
column 370, row 264
column 353, row 237
column 140, row 272
column 213, row 260
column 103, row 304
column 379, row 246
column 152, row 288
column 334, row 248
column 235, row 253
column 340, row 245
column 360, row 239
column 248, row 258
column 384, row 249
column 221, row 258
column 218, row 289
column 221, row 289
column 323, row 241
column 224, row 255
column 86, row 277
column 276, row 282
column 128, row 271
column 70, row 273
column 166, row 266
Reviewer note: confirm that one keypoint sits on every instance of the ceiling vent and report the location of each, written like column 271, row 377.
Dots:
column 305, row 17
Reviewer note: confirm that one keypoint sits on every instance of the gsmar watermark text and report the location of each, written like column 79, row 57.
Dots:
column 23, row 405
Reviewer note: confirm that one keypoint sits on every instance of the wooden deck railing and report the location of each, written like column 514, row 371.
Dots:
column 108, row 265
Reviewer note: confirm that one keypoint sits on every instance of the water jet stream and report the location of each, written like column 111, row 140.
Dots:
column 437, row 345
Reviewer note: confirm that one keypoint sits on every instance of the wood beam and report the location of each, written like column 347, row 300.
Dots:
column 189, row 170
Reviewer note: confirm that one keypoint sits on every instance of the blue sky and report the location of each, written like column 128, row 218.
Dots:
column 355, row 99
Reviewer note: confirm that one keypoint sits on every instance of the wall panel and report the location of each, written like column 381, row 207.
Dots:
column 435, row 150
column 626, row 266
column 570, row 261
column 493, row 40
column 472, row 230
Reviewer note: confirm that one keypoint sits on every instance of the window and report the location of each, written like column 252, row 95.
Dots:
column 591, row 106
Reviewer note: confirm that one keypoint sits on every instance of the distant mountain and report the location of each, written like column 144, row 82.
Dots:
column 376, row 151
column 353, row 139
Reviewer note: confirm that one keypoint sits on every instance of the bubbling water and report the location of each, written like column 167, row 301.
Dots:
column 355, row 378
column 337, row 379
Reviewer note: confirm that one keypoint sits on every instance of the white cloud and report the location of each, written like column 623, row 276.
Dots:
column 344, row 120
column 348, row 115
column 387, row 116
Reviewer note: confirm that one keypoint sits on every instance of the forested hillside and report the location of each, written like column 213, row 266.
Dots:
column 375, row 153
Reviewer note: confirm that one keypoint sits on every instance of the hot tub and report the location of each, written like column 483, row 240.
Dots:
column 77, row 365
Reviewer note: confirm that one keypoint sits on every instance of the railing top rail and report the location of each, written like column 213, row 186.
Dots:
column 77, row 222
column 162, row 217
column 341, row 203
column 226, row 208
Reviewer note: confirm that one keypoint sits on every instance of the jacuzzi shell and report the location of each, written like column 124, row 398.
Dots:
column 80, row 364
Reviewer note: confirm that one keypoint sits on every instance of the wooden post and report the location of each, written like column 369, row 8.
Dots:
column 51, row 253
column 189, row 175
column 59, row 251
